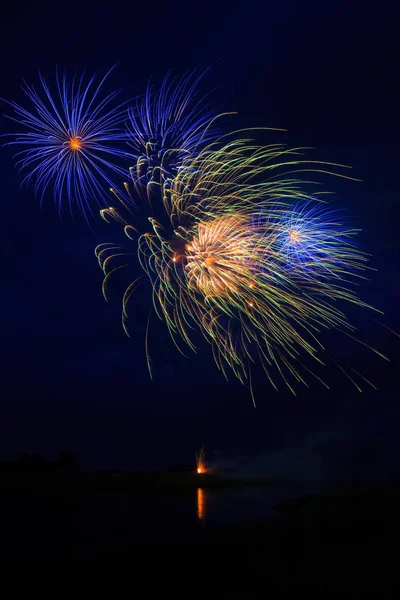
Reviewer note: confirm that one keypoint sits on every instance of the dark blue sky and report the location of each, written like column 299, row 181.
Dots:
column 328, row 72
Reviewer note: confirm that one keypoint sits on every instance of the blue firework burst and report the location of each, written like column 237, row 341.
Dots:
column 167, row 126
column 313, row 242
column 72, row 141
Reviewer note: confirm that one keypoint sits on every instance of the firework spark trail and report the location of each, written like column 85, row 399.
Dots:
column 314, row 243
column 72, row 141
column 227, row 294
column 220, row 262
column 168, row 126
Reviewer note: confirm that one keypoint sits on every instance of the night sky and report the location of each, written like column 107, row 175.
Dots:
column 327, row 72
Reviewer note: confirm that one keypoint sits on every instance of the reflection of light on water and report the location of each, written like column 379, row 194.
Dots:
column 201, row 504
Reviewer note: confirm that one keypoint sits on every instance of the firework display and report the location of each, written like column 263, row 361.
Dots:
column 236, row 237
column 250, row 259
column 71, row 141
column 167, row 126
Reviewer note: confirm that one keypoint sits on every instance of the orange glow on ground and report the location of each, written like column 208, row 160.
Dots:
column 75, row 143
column 200, row 462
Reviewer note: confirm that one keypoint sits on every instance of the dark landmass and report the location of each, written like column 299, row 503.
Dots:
column 344, row 543
column 32, row 474
column 112, row 482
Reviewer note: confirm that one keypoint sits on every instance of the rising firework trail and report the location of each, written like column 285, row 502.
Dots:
column 201, row 461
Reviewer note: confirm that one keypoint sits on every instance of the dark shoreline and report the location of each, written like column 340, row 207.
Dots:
column 131, row 482
column 126, row 482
